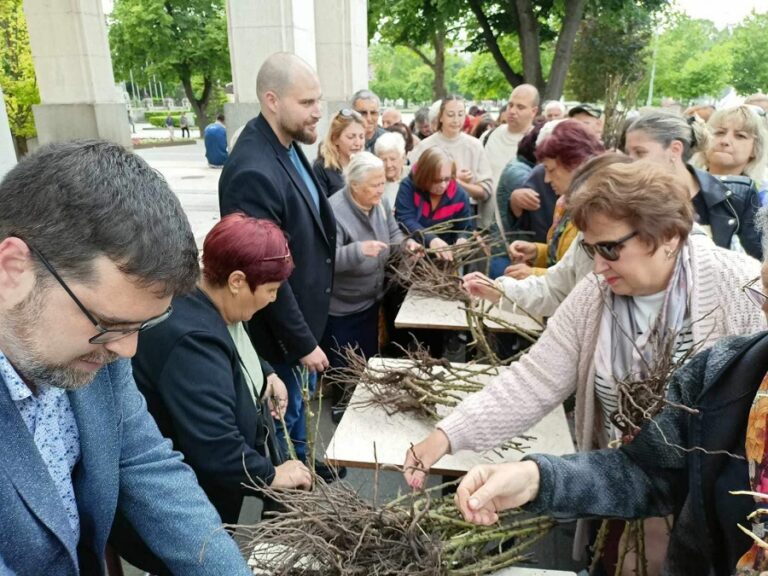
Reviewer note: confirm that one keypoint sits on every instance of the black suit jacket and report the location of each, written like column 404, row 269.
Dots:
column 260, row 180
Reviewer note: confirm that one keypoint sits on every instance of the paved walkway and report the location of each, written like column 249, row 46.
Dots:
column 193, row 181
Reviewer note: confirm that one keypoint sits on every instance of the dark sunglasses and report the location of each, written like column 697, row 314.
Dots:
column 105, row 335
column 755, row 296
column 610, row 251
column 349, row 113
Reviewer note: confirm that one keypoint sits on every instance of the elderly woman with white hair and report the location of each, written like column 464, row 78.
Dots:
column 390, row 149
column 366, row 233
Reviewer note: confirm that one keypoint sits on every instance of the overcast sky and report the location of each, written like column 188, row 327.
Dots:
column 722, row 13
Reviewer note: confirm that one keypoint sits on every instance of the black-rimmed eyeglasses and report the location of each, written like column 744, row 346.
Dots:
column 105, row 335
column 610, row 251
column 757, row 297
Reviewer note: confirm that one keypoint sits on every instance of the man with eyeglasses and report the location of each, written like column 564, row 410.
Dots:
column 367, row 104
column 93, row 246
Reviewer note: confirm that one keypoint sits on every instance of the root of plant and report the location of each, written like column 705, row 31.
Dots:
column 331, row 531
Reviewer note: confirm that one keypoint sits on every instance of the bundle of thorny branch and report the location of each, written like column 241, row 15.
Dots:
column 331, row 531
column 418, row 383
column 441, row 278
column 641, row 396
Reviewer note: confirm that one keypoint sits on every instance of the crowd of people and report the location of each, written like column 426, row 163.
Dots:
column 121, row 351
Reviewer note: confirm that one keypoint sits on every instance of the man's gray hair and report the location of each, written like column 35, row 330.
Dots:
column 359, row 166
column 557, row 104
column 390, row 142
column 76, row 201
column 364, row 94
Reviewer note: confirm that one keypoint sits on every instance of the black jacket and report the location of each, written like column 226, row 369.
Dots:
column 189, row 371
column 330, row 180
column 732, row 203
column 651, row 476
column 260, row 180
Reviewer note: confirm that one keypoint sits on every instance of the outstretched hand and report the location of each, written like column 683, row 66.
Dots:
column 489, row 489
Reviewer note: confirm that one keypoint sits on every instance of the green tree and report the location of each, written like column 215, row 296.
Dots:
column 693, row 59
column 422, row 26
column 538, row 26
column 612, row 43
column 481, row 79
column 181, row 40
column 399, row 73
column 750, row 65
column 17, row 73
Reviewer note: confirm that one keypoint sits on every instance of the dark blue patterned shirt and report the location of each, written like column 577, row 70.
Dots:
column 51, row 422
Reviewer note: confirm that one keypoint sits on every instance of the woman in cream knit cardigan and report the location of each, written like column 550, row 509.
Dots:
column 648, row 271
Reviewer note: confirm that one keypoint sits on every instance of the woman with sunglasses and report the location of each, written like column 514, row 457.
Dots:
column 204, row 383
column 703, row 449
column 345, row 137
column 650, row 274
column 473, row 171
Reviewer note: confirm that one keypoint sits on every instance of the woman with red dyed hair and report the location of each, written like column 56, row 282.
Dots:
column 569, row 146
column 203, row 381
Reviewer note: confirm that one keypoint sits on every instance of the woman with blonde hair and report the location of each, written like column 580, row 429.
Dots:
column 737, row 143
column 725, row 205
column 345, row 137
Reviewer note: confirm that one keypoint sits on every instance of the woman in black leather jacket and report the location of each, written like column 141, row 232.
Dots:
column 725, row 204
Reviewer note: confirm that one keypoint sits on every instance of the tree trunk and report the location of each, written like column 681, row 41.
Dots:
column 20, row 144
column 514, row 78
column 199, row 105
column 439, row 90
column 528, row 34
column 574, row 11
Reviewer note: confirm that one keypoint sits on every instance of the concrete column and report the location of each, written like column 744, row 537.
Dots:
column 73, row 65
column 7, row 149
column 256, row 29
column 342, row 49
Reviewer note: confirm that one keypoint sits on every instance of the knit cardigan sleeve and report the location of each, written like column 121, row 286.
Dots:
column 541, row 295
column 719, row 307
column 529, row 389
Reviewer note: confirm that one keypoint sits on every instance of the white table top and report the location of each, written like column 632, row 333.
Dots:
column 422, row 311
column 362, row 428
